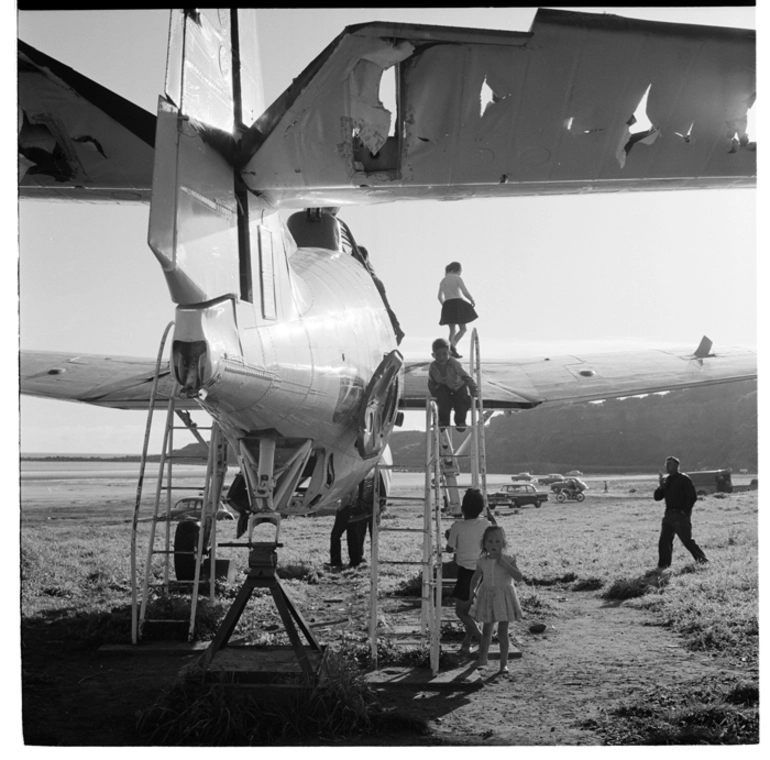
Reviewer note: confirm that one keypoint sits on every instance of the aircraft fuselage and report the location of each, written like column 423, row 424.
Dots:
column 301, row 377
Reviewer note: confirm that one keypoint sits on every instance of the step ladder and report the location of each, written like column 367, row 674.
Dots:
column 160, row 552
column 441, row 491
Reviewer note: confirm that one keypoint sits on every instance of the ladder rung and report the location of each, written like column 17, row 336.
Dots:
column 175, row 583
column 172, row 551
column 398, row 562
column 167, row 620
column 181, row 488
column 401, row 530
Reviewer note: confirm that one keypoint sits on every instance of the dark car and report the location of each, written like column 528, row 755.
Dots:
column 546, row 480
column 569, row 484
column 517, row 495
column 522, row 476
column 190, row 507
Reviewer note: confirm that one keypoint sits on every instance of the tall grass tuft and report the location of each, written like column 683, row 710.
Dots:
column 195, row 712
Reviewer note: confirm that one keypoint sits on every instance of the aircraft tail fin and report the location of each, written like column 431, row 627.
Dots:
column 214, row 72
column 199, row 213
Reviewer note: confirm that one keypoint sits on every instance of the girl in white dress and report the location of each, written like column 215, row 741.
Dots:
column 496, row 600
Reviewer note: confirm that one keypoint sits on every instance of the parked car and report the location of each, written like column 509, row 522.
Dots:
column 546, row 480
column 521, row 476
column 711, row 481
column 517, row 495
column 574, row 474
column 569, row 484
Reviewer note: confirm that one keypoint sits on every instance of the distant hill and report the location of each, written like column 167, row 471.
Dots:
column 706, row 427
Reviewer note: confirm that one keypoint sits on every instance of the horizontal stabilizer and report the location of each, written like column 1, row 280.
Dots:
column 78, row 140
column 581, row 103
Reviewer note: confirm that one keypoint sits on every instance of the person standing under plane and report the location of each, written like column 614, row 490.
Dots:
column 679, row 493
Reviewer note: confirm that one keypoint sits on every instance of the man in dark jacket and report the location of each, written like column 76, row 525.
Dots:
column 679, row 492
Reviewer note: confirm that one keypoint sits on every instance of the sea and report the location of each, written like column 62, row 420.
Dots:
column 90, row 469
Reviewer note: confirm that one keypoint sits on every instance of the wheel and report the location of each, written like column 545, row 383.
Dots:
column 701, row 494
column 185, row 547
column 580, row 497
column 514, row 504
column 538, row 504
column 560, row 497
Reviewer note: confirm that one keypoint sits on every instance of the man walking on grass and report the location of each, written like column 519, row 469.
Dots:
column 679, row 492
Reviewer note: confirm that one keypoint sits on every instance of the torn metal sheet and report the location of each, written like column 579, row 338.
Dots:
column 489, row 113
column 76, row 139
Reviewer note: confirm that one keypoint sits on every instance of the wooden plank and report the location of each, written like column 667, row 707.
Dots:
column 272, row 660
column 421, row 679
column 157, row 647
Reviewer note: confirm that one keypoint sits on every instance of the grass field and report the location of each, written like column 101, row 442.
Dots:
column 75, row 569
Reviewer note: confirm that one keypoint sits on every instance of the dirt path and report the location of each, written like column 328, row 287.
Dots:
column 593, row 656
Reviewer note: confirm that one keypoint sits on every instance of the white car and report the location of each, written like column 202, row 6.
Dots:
column 521, row 476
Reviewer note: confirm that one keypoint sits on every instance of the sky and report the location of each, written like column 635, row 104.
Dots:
column 549, row 276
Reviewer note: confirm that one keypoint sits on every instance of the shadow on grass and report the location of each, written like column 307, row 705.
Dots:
column 194, row 711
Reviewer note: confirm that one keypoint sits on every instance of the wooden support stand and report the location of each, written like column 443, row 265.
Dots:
column 262, row 563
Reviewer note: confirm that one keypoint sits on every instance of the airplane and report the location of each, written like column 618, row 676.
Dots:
column 281, row 334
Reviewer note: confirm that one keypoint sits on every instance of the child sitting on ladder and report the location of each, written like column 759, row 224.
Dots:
column 449, row 384
column 496, row 601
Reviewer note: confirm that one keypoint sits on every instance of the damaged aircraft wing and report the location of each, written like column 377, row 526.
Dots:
column 581, row 103
column 527, row 383
column 78, row 140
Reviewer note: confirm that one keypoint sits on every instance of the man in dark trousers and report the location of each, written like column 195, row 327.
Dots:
column 344, row 524
column 679, row 492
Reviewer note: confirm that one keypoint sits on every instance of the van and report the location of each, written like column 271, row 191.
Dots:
column 711, row 481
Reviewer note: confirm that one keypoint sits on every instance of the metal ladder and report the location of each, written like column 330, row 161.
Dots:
column 216, row 468
column 440, row 488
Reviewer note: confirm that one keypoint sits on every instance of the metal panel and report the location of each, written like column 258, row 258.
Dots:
column 77, row 139
column 193, row 218
column 498, row 114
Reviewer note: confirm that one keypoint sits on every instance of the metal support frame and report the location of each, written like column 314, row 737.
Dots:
column 263, row 560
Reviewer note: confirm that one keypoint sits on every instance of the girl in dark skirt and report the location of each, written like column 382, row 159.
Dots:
column 455, row 310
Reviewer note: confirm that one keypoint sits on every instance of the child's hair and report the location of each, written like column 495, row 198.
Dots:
column 439, row 343
column 473, row 503
column 493, row 529
column 455, row 266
